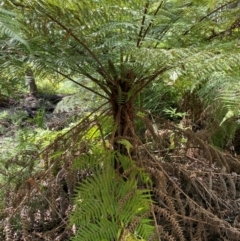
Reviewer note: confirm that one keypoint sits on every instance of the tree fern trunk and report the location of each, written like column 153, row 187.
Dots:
column 124, row 137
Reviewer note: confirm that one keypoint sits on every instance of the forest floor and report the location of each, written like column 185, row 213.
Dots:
column 196, row 187
column 15, row 119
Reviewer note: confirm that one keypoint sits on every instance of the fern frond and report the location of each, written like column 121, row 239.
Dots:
column 10, row 25
column 106, row 204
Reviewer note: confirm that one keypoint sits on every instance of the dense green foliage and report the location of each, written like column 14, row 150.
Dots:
column 175, row 58
column 123, row 46
column 122, row 209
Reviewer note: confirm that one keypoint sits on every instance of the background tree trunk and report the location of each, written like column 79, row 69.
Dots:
column 30, row 81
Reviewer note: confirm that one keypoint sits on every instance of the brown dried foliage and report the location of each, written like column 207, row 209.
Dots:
column 196, row 188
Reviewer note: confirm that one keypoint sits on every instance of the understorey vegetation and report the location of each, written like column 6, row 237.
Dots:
column 119, row 120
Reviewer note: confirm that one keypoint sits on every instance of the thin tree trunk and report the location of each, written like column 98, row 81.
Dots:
column 30, row 81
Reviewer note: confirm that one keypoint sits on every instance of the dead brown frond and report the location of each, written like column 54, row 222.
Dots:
column 195, row 186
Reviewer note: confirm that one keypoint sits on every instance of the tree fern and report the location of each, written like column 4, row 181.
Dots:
column 122, row 46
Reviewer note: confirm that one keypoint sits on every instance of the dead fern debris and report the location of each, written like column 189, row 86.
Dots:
column 196, row 188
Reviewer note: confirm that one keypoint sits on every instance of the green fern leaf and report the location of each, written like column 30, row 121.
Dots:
column 228, row 115
column 105, row 204
column 126, row 144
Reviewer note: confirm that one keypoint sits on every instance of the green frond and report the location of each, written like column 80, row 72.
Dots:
column 10, row 25
column 229, row 94
column 107, row 205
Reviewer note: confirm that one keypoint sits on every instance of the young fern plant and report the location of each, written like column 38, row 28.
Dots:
column 109, row 206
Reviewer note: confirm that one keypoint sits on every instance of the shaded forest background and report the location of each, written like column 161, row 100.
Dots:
column 119, row 120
